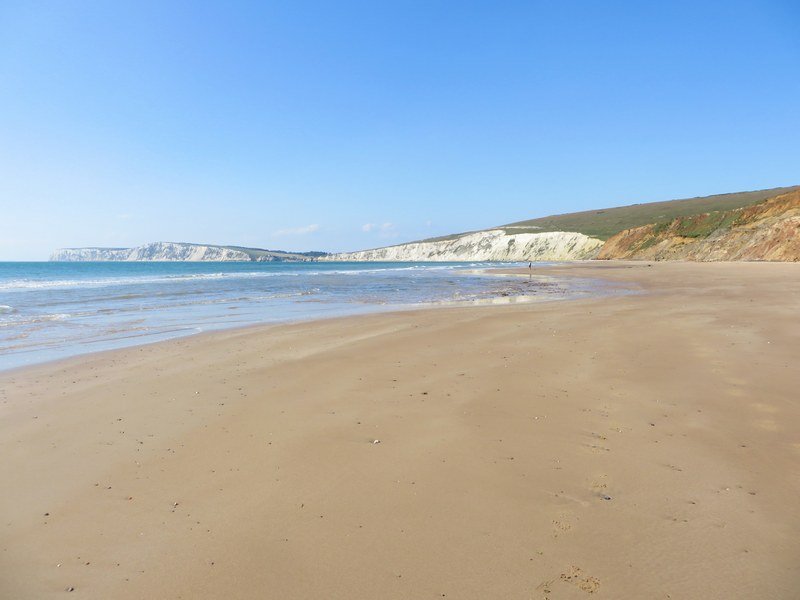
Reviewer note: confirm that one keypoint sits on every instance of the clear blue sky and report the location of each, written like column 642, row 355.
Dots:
column 343, row 125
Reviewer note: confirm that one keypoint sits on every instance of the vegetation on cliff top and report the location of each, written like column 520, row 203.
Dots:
column 605, row 223
column 768, row 230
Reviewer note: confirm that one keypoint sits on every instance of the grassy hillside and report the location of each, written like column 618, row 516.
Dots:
column 604, row 223
column 768, row 230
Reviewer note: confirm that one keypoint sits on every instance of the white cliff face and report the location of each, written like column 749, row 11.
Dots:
column 174, row 251
column 169, row 251
column 90, row 254
column 490, row 245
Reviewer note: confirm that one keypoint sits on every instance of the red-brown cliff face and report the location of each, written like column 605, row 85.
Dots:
column 767, row 231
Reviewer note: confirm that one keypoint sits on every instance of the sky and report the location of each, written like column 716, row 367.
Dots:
column 346, row 125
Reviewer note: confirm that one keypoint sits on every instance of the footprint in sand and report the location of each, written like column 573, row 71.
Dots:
column 546, row 588
column 572, row 576
column 561, row 525
column 599, row 485
column 578, row 578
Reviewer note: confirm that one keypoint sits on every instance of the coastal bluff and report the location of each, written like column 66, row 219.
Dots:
column 761, row 225
column 180, row 251
column 768, row 231
column 491, row 245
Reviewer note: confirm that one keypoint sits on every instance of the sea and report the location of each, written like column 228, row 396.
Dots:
column 54, row 310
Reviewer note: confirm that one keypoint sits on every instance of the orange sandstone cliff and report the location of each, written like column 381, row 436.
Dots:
column 767, row 231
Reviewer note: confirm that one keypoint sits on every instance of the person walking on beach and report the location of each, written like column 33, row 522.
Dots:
column 530, row 270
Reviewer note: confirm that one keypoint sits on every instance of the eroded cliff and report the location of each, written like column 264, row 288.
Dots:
column 490, row 245
column 767, row 231
column 178, row 251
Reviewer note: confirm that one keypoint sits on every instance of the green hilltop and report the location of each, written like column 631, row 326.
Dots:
column 604, row 223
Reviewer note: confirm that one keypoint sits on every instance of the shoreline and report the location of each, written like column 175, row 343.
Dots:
column 186, row 331
column 640, row 445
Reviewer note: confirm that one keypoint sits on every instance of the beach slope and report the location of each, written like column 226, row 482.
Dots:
column 642, row 446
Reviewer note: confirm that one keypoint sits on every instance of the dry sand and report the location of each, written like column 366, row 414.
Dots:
column 646, row 446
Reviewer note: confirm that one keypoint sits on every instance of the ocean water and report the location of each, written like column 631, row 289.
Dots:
column 51, row 310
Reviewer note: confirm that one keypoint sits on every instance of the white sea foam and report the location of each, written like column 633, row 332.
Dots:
column 33, row 319
column 34, row 284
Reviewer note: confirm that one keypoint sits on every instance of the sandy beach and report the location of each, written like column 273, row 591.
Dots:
column 636, row 446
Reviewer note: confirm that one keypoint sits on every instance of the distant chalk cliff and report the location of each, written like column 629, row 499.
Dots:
column 180, row 251
column 489, row 245
column 753, row 225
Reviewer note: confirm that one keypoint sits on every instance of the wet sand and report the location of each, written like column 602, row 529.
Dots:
column 643, row 446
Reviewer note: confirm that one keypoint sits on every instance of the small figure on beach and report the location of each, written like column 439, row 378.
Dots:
column 530, row 270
